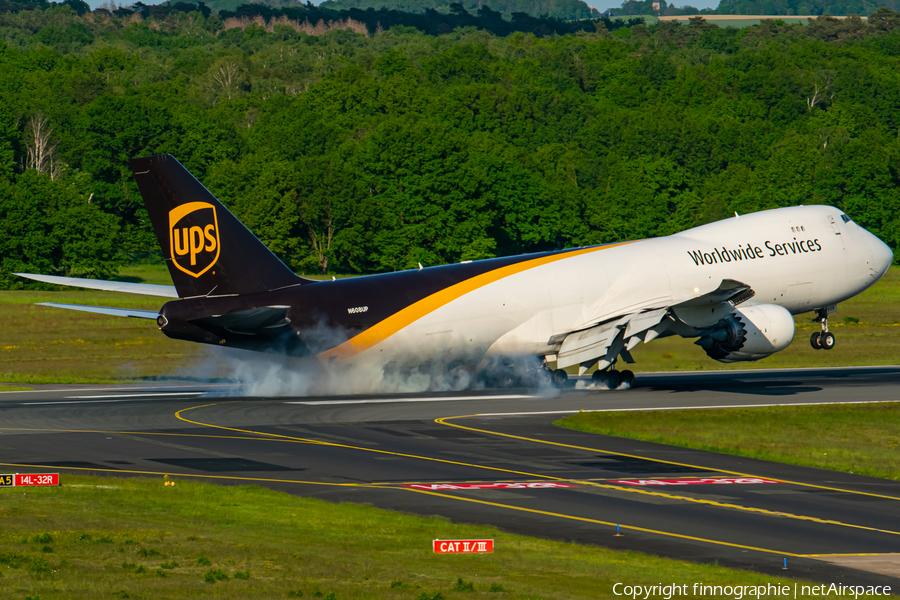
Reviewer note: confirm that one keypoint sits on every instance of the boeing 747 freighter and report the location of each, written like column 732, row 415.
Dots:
column 734, row 285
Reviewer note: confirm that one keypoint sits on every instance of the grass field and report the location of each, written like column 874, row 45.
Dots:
column 46, row 345
column 863, row 439
column 104, row 537
column 740, row 21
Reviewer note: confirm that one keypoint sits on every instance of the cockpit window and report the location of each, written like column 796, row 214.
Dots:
column 845, row 218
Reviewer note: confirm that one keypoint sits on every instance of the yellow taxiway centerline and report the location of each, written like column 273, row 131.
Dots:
column 443, row 421
column 547, row 477
column 289, row 438
column 31, row 466
column 598, row 522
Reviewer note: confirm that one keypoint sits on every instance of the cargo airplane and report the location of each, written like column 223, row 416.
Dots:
column 734, row 285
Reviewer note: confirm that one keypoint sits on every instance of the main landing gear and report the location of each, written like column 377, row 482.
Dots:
column 559, row 378
column 613, row 378
column 824, row 339
column 610, row 377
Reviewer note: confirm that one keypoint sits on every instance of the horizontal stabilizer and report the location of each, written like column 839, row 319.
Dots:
column 165, row 291
column 106, row 310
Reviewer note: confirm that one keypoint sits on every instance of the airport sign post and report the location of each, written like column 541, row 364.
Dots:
column 463, row 546
column 29, row 479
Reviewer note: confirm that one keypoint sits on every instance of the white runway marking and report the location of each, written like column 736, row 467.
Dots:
column 72, row 402
column 385, row 401
column 50, row 390
column 118, row 398
column 142, row 395
column 645, row 409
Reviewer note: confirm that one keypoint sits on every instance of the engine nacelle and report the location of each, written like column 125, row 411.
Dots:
column 749, row 333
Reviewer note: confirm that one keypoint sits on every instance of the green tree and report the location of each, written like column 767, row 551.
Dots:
column 52, row 227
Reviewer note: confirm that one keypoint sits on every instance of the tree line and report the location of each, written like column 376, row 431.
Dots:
column 357, row 151
column 787, row 8
column 559, row 9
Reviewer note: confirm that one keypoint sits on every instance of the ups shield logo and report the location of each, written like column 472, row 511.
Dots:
column 194, row 237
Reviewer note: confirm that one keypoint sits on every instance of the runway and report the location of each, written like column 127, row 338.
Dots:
column 494, row 457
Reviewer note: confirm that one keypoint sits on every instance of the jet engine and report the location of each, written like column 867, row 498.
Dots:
column 749, row 333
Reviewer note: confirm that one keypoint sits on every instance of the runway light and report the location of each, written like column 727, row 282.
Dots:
column 784, row 568
column 618, row 531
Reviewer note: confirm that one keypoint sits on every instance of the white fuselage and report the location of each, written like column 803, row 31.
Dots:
column 801, row 258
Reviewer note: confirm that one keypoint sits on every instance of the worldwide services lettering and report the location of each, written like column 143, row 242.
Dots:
column 748, row 252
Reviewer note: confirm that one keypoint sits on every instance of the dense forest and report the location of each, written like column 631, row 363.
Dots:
column 560, row 9
column 646, row 7
column 352, row 150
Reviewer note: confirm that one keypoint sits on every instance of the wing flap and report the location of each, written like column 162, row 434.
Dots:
column 605, row 342
column 147, row 289
column 586, row 345
column 641, row 322
column 106, row 310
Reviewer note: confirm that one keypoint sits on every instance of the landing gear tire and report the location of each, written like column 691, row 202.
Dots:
column 614, row 378
column 815, row 341
column 507, row 379
column 610, row 379
column 826, row 340
column 559, row 378
column 627, row 377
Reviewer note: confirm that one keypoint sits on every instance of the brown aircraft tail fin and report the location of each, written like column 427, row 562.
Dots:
column 208, row 251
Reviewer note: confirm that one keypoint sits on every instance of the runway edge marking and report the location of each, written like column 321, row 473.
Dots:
column 443, row 421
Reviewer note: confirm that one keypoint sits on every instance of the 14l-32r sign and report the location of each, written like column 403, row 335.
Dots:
column 20, row 479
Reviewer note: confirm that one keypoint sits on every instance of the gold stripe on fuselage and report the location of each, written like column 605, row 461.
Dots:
column 406, row 316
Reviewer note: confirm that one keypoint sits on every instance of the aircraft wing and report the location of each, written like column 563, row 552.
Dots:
column 106, row 310
column 607, row 341
column 165, row 291
column 617, row 336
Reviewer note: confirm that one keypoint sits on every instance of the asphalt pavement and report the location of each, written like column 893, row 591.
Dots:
column 495, row 457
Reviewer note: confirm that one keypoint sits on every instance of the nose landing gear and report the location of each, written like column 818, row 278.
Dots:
column 824, row 339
